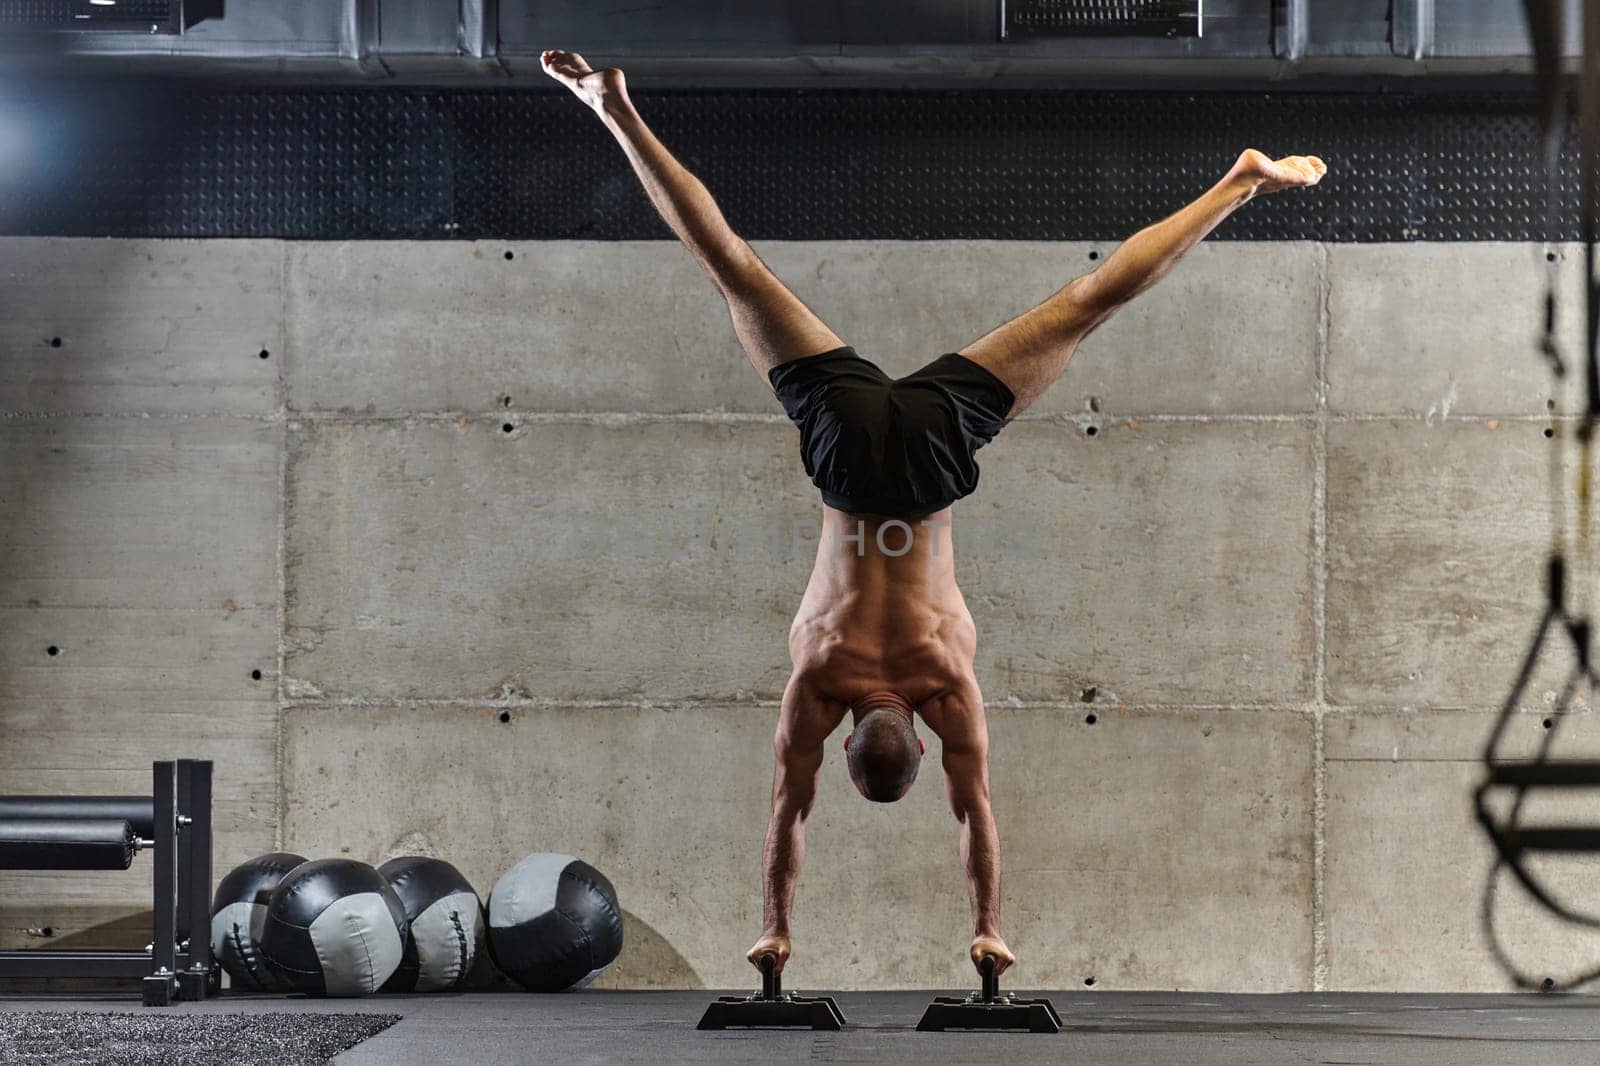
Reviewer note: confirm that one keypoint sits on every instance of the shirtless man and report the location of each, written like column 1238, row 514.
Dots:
column 883, row 633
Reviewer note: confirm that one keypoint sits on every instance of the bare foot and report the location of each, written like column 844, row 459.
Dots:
column 1269, row 175
column 591, row 86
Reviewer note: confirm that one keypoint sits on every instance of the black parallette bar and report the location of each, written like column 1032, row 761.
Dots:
column 169, row 159
column 771, row 979
column 772, row 1008
column 988, row 1009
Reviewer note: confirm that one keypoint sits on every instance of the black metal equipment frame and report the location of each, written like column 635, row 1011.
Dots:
column 1095, row 18
column 178, row 963
column 989, row 1009
column 773, row 1008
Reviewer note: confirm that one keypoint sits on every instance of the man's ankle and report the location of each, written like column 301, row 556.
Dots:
column 615, row 105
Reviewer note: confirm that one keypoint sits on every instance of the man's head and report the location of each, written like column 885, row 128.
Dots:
column 883, row 753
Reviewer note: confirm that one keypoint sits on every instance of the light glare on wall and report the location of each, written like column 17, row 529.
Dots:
column 13, row 142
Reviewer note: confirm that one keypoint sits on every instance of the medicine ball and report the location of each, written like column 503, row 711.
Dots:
column 334, row 927
column 443, row 912
column 237, row 912
column 554, row 923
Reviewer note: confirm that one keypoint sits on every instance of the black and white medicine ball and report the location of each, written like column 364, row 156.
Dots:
column 554, row 923
column 334, row 927
column 443, row 913
column 238, row 911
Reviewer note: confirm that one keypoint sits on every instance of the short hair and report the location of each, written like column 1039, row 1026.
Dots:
column 883, row 755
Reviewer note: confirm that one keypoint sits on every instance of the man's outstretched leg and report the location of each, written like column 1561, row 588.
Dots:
column 772, row 324
column 1031, row 351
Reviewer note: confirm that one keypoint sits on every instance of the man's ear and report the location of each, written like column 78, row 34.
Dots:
column 922, row 747
column 847, row 737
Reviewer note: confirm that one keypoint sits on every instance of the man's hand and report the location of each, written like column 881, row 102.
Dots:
column 777, row 946
column 991, row 945
column 593, row 87
column 1260, row 174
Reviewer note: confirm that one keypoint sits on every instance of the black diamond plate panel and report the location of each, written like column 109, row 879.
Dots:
column 162, row 160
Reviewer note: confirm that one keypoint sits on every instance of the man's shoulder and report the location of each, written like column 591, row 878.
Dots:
column 956, row 712
column 821, row 654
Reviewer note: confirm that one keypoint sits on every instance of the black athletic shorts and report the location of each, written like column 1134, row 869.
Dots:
column 902, row 448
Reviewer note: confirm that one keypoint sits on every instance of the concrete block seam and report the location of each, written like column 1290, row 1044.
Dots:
column 1319, row 629
column 709, row 417
column 281, row 390
column 1069, row 705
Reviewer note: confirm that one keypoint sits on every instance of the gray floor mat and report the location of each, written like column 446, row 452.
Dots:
column 129, row 1039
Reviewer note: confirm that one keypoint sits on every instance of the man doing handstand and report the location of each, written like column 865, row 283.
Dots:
column 883, row 633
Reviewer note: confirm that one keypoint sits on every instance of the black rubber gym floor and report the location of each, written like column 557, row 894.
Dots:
column 1150, row 1029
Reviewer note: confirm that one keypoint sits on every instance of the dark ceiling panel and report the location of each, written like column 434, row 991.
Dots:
column 1491, row 28
column 418, row 26
column 914, row 22
column 530, row 26
column 1349, row 27
column 780, row 43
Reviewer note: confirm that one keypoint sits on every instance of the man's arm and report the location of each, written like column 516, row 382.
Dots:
column 803, row 725
column 964, row 740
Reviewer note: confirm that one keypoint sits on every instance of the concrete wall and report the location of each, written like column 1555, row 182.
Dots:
column 480, row 549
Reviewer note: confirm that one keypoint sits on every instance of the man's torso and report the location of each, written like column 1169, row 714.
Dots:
column 882, row 613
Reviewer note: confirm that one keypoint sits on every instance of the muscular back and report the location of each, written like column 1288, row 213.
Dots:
column 881, row 614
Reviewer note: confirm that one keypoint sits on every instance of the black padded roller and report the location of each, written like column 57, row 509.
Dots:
column 66, row 844
column 139, row 811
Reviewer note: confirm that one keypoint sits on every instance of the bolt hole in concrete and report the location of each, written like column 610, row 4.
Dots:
column 1088, row 982
column 1090, row 431
column 264, row 354
column 1548, row 983
column 505, row 716
column 1090, row 719
column 55, row 342
column 1549, row 433
column 1094, row 255
column 1549, row 257
column 507, row 428
column 255, row 675
column 48, row 930
column 52, row 650
column 1088, row 694
column 510, row 255
column 1549, row 723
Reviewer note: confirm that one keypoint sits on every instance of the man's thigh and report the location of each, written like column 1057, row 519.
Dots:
column 773, row 325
